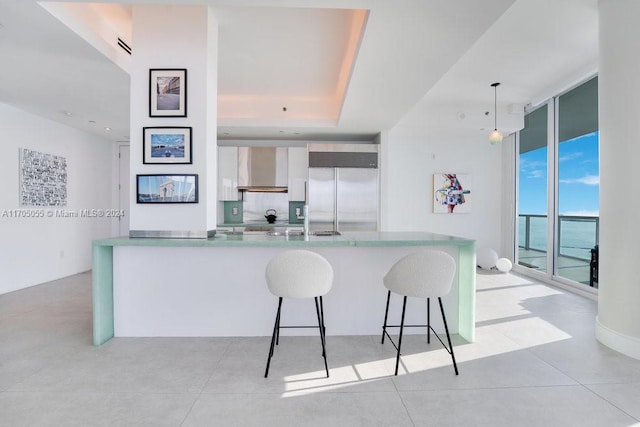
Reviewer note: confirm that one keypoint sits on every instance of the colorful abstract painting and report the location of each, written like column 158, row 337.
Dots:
column 451, row 193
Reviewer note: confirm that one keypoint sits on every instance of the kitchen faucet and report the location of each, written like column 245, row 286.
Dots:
column 305, row 217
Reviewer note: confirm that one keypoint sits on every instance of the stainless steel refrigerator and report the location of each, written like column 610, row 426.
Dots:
column 343, row 190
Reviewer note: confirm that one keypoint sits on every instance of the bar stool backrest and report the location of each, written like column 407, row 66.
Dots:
column 426, row 274
column 299, row 274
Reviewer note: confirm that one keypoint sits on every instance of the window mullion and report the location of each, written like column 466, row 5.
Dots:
column 552, row 185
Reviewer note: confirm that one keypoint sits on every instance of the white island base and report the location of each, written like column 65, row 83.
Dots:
column 208, row 290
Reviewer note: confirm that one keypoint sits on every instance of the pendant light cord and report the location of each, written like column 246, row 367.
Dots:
column 495, row 105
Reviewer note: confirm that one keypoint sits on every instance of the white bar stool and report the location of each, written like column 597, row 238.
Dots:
column 299, row 274
column 426, row 274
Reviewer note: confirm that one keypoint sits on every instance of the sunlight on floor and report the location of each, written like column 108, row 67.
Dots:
column 341, row 377
column 502, row 313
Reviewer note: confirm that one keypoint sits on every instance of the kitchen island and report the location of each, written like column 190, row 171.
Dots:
column 216, row 287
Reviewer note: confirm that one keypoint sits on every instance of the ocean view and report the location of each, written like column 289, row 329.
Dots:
column 577, row 234
column 578, row 185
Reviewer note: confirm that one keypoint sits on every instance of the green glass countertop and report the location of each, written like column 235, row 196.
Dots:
column 355, row 238
column 259, row 224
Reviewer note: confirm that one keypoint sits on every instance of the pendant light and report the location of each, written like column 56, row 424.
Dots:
column 496, row 136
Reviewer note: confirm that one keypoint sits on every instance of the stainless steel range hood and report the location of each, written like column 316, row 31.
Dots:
column 263, row 169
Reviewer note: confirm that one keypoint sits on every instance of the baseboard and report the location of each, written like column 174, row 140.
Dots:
column 627, row 345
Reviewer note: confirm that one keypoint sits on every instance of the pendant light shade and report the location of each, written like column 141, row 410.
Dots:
column 496, row 136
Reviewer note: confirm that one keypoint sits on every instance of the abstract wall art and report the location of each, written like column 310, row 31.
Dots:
column 451, row 193
column 43, row 179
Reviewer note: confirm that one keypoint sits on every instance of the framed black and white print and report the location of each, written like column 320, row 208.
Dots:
column 158, row 188
column 43, row 179
column 168, row 92
column 166, row 145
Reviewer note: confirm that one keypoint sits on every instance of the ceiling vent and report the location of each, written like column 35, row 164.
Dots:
column 124, row 46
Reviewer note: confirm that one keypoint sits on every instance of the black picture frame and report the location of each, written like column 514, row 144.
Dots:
column 168, row 92
column 167, row 188
column 167, row 145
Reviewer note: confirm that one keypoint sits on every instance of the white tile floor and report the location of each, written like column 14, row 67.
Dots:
column 535, row 363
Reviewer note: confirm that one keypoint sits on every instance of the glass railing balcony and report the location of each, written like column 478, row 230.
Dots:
column 577, row 237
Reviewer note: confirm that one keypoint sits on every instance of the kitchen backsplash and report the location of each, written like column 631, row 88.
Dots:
column 255, row 206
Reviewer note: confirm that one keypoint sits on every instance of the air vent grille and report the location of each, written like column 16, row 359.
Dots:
column 124, row 46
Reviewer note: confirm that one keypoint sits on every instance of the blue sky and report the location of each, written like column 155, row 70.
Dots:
column 167, row 139
column 579, row 178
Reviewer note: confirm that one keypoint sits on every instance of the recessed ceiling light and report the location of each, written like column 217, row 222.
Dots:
column 107, row 128
column 67, row 113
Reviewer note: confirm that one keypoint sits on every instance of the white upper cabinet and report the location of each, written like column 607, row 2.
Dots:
column 298, row 173
column 227, row 173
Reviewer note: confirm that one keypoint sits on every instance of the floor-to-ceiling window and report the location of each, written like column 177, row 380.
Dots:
column 532, row 190
column 558, row 186
column 578, row 181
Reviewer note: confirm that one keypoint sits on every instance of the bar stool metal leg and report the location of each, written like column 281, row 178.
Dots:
column 324, row 329
column 446, row 329
column 404, row 306
column 276, row 330
column 322, row 336
column 386, row 313
column 428, row 320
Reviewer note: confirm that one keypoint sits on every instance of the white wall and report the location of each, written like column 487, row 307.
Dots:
column 508, row 204
column 618, row 322
column 412, row 153
column 173, row 36
column 37, row 250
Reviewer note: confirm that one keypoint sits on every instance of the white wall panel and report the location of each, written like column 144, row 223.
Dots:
column 37, row 250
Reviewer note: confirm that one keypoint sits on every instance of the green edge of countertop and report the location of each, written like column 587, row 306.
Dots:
column 363, row 238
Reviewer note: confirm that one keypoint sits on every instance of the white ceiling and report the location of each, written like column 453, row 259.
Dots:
column 439, row 55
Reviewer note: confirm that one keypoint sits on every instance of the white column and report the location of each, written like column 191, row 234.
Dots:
column 618, row 322
column 176, row 37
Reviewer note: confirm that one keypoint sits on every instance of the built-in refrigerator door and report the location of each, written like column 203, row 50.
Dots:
column 357, row 199
column 322, row 199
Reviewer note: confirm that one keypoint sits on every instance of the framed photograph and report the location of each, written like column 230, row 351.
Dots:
column 43, row 179
column 162, row 145
column 451, row 193
column 178, row 188
column 168, row 92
